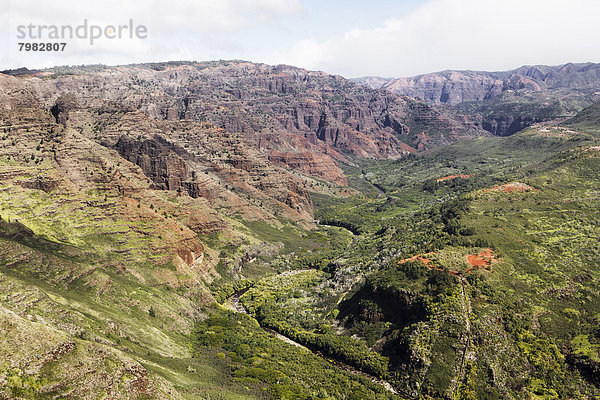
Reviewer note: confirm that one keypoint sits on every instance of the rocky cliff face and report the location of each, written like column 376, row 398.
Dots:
column 505, row 101
column 97, row 167
column 131, row 217
column 454, row 87
column 308, row 121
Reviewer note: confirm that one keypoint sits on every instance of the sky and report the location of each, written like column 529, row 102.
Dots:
column 351, row 38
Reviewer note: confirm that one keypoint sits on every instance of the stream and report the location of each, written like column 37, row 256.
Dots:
column 233, row 303
column 380, row 191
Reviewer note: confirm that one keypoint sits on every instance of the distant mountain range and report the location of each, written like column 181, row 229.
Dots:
column 309, row 121
column 507, row 101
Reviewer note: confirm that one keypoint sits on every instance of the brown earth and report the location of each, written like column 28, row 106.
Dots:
column 445, row 178
column 512, row 187
column 427, row 262
column 484, row 260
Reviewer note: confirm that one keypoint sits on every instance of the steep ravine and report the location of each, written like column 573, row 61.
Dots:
column 233, row 303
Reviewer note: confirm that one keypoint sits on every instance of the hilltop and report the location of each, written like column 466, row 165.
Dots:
column 507, row 101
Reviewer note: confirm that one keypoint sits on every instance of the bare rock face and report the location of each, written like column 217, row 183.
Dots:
column 199, row 172
column 450, row 89
column 15, row 93
column 311, row 164
column 158, row 159
column 504, row 102
column 507, row 125
column 454, row 87
column 278, row 110
column 60, row 110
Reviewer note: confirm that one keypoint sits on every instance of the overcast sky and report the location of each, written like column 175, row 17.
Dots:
column 351, row 38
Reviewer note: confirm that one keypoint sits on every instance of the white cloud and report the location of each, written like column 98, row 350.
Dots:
column 216, row 16
column 307, row 53
column 460, row 34
column 440, row 34
column 181, row 27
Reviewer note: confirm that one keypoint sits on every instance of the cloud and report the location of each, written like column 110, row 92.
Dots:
column 439, row 34
column 190, row 15
column 217, row 16
column 176, row 27
column 459, row 34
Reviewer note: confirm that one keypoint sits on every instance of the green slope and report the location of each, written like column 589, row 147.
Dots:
column 475, row 287
column 472, row 287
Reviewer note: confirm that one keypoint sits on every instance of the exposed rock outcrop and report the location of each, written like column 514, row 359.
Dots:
column 277, row 109
column 508, row 101
column 454, row 87
column 159, row 160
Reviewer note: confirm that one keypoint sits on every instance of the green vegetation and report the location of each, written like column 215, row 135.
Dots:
column 262, row 301
column 284, row 371
column 466, row 272
column 504, row 285
column 588, row 120
column 512, row 111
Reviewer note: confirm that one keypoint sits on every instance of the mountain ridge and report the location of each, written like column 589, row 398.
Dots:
column 296, row 117
column 555, row 74
column 506, row 101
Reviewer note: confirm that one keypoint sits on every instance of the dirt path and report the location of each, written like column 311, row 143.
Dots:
column 335, row 226
column 466, row 310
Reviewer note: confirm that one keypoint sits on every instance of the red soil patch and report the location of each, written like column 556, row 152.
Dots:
column 427, row 262
column 484, row 259
column 511, row 187
column 418, row 257
column 446, row 178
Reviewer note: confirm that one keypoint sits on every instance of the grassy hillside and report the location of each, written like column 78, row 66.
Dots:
column 106, row 270
column 482, row 285
column 587, row 120
column 467, row 272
